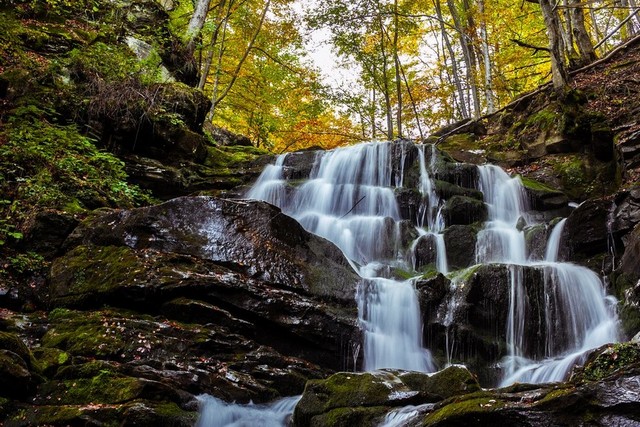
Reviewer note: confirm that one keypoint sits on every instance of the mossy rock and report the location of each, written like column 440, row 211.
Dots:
column 462, row 210
column 84, row 334
column 385, row 388
column 350, row 417
column 105, row 387
column 87, row 274
column 15, row 378
column 50, row 359
column 14, row 344
column 609, row 360
column 468, row 407
column 139, row 412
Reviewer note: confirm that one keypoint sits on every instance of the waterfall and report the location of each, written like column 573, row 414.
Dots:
column 349, row 199
column 578, row 314
column 553, row 243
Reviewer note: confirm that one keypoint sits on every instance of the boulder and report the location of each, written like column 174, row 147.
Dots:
column 461, row 174
column 425, row 251
column 332, row 401
column 46, row 231
column 252, row 237
column 586, row 230
column 461, row 210
column 460, row 241
column 298, row 165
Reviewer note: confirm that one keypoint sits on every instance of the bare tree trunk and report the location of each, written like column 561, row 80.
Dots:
column 385, row 80
column 552, row 23
column 397, row 67
column 587, row 53
column 454, row 66
column 488, row 80
column 469, row 58
column 567, row 34
column 214, row 41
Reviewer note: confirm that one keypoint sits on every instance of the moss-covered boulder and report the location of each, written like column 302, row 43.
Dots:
column 359, row 397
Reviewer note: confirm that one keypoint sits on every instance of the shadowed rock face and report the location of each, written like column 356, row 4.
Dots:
column 250, row 237
column 205, row 295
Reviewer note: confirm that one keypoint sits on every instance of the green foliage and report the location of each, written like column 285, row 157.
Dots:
column 50, row 165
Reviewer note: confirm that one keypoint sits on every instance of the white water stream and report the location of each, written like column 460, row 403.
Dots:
column 349, row 199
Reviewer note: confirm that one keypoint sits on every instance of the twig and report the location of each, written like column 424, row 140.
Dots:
column 354, row 206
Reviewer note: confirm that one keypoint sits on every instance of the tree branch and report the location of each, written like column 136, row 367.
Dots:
column 530, row 46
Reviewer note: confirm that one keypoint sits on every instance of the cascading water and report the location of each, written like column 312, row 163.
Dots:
column 350, row 200
column 578, row 315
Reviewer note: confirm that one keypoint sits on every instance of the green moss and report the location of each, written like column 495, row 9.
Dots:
column 348, row 417
column 536, row 185
column 103, row 388
column 464, row 275
column 85, row 334
column 543, row 119
column 615, row 357
column 50, row 359
column 464, row 409
column 224, row 159
column 462, row 141
column 90, row 271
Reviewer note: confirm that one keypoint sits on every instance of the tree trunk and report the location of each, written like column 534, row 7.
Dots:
column 396, row 59
column 468, row 57
column 385, row 80
column 454, row 66
column 196, row 23
column 585, row 47
column 552, row 23
column 488, row 79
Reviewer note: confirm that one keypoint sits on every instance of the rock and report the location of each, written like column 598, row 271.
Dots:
column 15, row 378
column 469, row 320
column 425, row 251
column 409, row 201
column 542, row 197
column 602, row 144
column 298, row 165
column 330, row 401
column 460, row 174
column 536, row 241
column 461, row 210
column 446, row 190
column 253, row 237
column 460, row 241
column 585, row 232
column 46, row 232
column 225, row 137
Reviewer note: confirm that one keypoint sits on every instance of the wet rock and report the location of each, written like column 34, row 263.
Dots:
column 425, row 251
column 461, row 210
column 409, row 201
column 460, row 174
column 46, row 232
column 446, row 190
column 226, row 137
column 329, row 402
column 252, row 237
column 585, row 232
column 536, row 241
column 298, row 165
column 460, row 241
column 542, row 197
